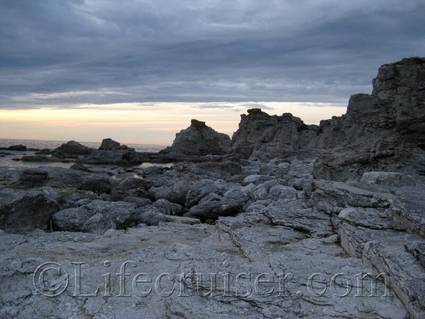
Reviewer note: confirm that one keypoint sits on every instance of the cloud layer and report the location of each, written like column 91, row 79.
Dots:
column 104, row 51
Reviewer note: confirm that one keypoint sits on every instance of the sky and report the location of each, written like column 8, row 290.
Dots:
column 139, row 70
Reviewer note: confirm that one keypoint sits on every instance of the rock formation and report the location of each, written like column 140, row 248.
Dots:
column 71, row 149
column 199, row 140
column 379, row 131
column 263, row 136
column 111, row 145
column 331, row 217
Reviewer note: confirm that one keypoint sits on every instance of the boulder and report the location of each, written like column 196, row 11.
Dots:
column 213, row 206
column 168, row 208
column 17, row 148
column 199, row 140
column 256, row 179
column 201, row 189
column 33, row 177
column 391, row 179
column 152, row 216
column 24, row 211
column 71, row 149
column 40, row 159
column 175, row 192
column 96, row 217
column 130, row 187
column 80, row 167
column 111, row 145
column 97, row 184
column 332, row 197
column 122, row 157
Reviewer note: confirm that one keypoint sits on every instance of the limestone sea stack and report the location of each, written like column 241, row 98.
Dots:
column 109, row 144
column 200, row 140
column 379, row 131
column 112, row 152
column 71, row 149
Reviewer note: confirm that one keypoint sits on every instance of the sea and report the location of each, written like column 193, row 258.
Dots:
column 40, row 144
column 11, row 158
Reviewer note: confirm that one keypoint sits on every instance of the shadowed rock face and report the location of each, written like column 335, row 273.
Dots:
column 378, row 131
column 199, row 139
column 263, row 136
column 109, row 144
column 71, row 149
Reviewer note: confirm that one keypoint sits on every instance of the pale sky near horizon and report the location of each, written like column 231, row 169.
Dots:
column 154, row 123
column 139, row 70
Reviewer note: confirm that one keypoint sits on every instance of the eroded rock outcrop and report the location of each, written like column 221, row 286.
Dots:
column 199, row 140
column 23, row 211
column 379, row 131
column 71, row 149
column 263, row 136
column 109, row 144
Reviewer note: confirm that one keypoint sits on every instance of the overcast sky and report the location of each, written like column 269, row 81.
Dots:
column 69, row 52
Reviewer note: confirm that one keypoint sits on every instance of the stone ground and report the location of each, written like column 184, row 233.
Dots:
column 271, row 242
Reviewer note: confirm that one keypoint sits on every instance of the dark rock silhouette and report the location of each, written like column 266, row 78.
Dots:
column 379, row 131
column 111, row 145
column 18, row 148
column 199, row 139
column 71, row 149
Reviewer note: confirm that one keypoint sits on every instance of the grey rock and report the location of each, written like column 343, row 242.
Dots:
column 153, row 216
column 17, row 148
column 271, row 215
column 96, row 217
column 71, row 149
column 24, row 211
column 168, row 208
column 97, row 184
column 122, row 157
column 384, row 250
column 111, row 145
column 175, row 193
column 391, row 179
column 33, row 177
column 378, row 132
column 199, row 139
column 40, row 159
column 332, row 197
column 417, row 249
column 80, row 167
column 263, row 136
column 213, row 206
column 248, row 243
column 201, row 189
column 368, row 217
column 256, row 179
column 130, row 187
column 62, row 178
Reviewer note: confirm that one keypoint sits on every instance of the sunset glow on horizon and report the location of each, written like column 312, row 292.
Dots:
column 143, row 123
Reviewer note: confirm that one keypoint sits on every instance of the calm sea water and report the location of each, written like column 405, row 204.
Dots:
column 53, row 144
column 8, row 158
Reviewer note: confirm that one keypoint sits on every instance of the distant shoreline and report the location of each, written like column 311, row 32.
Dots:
column 51, row 144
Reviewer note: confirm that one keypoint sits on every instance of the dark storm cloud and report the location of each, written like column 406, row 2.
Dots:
column 74, row 51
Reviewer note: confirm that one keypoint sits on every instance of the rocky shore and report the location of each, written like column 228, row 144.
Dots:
column 322, row 204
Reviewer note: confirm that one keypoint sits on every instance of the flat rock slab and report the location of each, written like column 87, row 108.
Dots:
column 186, row 256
